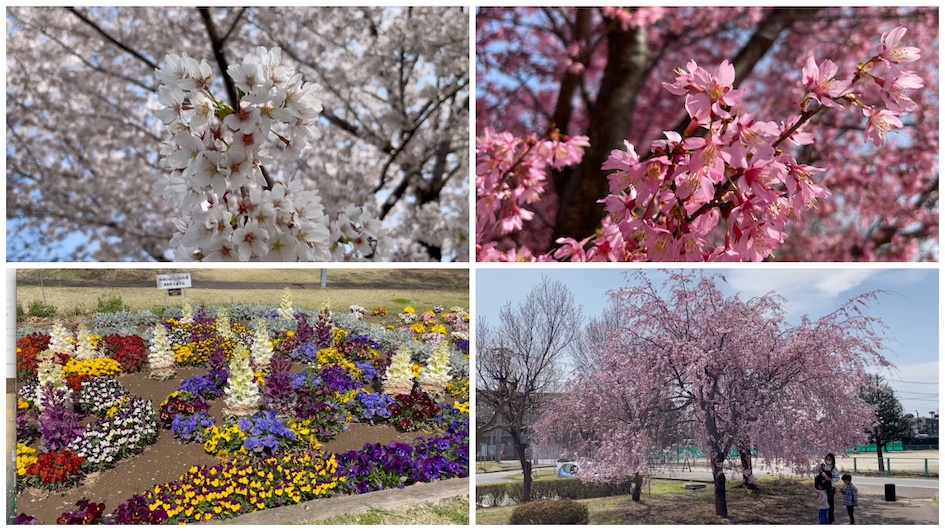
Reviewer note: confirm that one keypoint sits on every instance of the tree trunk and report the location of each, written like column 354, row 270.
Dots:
column 579, row 188
column 520, row 449
column 879, row 456
column 637, row 486
column 718, row 479
column 748, row 477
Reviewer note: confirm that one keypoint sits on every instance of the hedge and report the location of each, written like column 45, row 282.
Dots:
column 548, row 489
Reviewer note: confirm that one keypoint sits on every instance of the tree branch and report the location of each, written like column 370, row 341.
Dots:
column 111, row 39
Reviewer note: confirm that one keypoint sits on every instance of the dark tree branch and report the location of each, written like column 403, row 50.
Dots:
column 111, row 39
column 220, row 56
column 233, row 26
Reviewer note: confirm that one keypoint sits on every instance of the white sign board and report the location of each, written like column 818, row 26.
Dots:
column 174, row 281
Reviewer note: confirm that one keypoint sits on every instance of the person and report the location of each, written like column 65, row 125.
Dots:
column 831, row 474
column 851, row 497
column 823, row 507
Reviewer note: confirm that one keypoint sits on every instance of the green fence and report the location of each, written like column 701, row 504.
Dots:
column 919, row 466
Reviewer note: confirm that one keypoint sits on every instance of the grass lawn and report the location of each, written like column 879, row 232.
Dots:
column 666, row 502
column 421, row 289
column 452, row 511
column 455, row 278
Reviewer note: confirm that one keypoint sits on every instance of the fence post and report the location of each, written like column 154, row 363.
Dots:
column 888, row 471
column 926, row 467
column 854, row 465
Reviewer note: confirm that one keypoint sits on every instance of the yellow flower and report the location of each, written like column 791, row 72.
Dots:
column 290, row 333
column 92, row 367
column 418, row 328
column 415, row 369
column 25, row 456
column 22, row 404
column 409, row 309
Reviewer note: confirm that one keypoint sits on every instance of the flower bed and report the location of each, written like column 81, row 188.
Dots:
column 275, row 391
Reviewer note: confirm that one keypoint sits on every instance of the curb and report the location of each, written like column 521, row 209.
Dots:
column 320, row 509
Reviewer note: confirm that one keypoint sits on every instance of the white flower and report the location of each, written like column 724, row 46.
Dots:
column 228, row 210
column 173, row 100
column 245, row 120
column 203, row 111
column 248, row 77
column 210, row 170
column 250, row 241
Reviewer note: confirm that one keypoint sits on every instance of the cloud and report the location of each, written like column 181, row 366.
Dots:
column 790, row 283
column 805, row 289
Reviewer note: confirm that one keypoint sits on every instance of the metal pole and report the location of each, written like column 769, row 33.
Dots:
column 926, row 467
column 888, row 471
column 854, row 465
column 324, row 282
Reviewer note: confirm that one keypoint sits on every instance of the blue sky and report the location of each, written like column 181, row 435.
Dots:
column 910, row 309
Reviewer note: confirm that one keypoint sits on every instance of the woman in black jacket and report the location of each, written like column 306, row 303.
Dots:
column 830, row 474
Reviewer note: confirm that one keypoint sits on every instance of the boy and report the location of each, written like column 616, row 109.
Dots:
column 851, row 497
column 823, row 505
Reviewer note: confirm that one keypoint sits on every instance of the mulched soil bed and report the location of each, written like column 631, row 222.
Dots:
column 168, row 459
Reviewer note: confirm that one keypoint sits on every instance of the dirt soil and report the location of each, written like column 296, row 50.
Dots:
column 167, row 459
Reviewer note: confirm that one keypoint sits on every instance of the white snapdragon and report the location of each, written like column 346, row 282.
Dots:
column 399, row 377
column 84, row 349
column 187, row 314
column 223, row 326
column 434, row 377
column 285, row 308
column 60, row 340
column 160, row 355
column 48, row 372
column 215, row 155
column 242, row 393
column 261, row 352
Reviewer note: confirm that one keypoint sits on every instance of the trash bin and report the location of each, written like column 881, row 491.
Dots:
column 890, row 492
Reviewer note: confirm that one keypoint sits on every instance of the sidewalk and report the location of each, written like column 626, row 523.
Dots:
column 320, row 509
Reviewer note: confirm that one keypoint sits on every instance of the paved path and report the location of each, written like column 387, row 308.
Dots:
column 491, row 478
column 320, row 509
column 905, row 487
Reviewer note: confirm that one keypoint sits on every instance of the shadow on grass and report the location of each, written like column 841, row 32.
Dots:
column 779, row 502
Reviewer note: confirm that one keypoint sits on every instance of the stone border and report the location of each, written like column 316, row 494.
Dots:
column 322, row 508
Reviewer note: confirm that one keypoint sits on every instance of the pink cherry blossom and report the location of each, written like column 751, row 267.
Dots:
column 891, row 51
column 879, row 124
column 739, row 376
column 769, row 170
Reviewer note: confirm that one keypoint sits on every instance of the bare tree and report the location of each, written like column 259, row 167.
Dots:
column 586, row 350
column 518, row 362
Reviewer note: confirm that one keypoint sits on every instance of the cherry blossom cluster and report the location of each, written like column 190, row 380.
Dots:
column 723, row 189
column 231, row 209
column 511, row 173
column 740, row 178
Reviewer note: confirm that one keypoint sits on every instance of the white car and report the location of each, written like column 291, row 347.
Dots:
column 567, row 470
